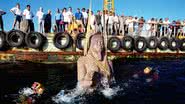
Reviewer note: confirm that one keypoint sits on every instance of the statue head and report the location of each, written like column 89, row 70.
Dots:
column 97, row 48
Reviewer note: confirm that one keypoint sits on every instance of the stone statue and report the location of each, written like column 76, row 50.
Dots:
column 94, row 67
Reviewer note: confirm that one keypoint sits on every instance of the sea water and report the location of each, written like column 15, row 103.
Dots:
column 131, row 87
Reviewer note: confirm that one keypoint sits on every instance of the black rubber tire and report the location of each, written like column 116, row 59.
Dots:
column 131, row 43
column 182, row 44
column 136, row 44
column 79, row 39
column 57, row 41
column 2, row 40
column 152, row 42
column 15, row 38
column 111, row 46
column 171, row 44
column 35, row 40
column 166, row 45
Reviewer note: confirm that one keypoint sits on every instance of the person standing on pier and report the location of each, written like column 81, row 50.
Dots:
column 70, row 15
column 85, row 18
column 116, row 24
column 66, row 19
column 18, row 16
column 110, row 23
column 28, row 16
column 1, row 20
column 92, row 20
column 40, row 15
column 98, row 21
column 47, row 23
column 58, row 18
column 78, row 17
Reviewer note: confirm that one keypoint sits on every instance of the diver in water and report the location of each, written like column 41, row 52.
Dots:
column 35, row 92
column 148, row 75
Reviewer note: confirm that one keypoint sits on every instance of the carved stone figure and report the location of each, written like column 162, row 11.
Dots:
column 94, row 67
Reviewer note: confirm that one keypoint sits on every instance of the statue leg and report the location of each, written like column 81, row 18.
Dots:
column 81, row 70
column 87, row 81
column 84, row 76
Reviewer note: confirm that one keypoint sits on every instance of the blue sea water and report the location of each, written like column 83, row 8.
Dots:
column 169, row 88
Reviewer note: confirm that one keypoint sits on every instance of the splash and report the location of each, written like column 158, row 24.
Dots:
column 111, row 92
column 107, row 91
column 74, row 95
column 26, row 91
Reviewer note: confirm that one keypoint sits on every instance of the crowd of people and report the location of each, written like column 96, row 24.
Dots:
column 67, row 20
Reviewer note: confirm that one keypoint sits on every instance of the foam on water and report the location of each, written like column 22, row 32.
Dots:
column 110, row 92
column 107, row 91
column 26, row 91
column 71, row 97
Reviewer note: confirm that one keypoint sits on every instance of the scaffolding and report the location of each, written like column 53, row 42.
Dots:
column 109, row 6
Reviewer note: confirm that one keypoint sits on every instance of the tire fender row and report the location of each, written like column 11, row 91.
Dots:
column 63, row 40
column 140, row 44
column 16, row 38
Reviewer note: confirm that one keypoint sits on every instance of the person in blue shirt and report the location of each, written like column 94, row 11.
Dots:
column 79, row 17
column 58, row 17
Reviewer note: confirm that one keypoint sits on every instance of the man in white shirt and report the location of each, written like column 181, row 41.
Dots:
column 85, row 17
column 110, row 24
column 106, row 15
column 130, row 23
column 122, row 20
column 18, row 16
column 166, row 23
column 40, row 16
column 150, row 27
column 28, row 16
column 116, row 24
column 92, row 21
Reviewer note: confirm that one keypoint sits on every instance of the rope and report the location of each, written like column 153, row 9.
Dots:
column 105, row 37
column 101, row 65
column 88, row 32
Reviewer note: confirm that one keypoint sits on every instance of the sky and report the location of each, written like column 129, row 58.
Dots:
column 174, row 9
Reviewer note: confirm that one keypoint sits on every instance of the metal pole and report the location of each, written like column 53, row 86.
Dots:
column 104, row 30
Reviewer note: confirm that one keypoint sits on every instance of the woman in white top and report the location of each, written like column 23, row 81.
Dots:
column 66, row 19
column 40, row 16
column 18, row 16
column 70, row 15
